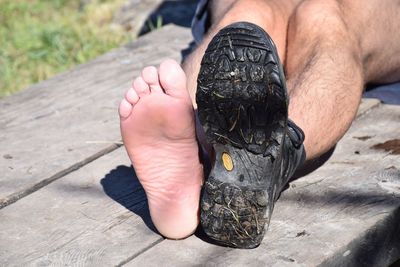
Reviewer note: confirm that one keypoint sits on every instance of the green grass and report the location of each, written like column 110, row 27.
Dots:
column 40, row 38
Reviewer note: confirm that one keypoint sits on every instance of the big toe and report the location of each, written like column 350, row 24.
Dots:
column 173, row 79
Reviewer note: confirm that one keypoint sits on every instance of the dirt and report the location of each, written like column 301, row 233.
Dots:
column 7, row 156
column 363, row 138
column 392, row 146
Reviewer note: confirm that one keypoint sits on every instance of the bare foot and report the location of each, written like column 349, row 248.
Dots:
column 158, row 130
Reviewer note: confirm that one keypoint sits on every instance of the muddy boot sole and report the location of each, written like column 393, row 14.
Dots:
column 242, row 106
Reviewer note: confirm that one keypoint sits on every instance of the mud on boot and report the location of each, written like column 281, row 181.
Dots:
column 242, row 106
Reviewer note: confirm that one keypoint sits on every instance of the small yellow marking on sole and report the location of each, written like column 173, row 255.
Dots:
column 227, row 161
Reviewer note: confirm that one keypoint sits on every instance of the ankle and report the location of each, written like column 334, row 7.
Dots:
column 273, row 18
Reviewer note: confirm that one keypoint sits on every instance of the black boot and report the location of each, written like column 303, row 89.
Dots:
column 242, row 106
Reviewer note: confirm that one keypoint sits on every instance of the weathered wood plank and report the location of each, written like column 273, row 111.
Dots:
column 346, row 213
column 91, row 217
column 138, row 16
column 366, row 105
column 65, row 122
column 134, row 14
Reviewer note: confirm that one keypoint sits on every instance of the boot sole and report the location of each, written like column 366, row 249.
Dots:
column 242, row 106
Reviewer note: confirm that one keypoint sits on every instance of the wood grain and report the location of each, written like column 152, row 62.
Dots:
column 366, row 105
column 345, row 213
column 63, row 123
column 96, row 216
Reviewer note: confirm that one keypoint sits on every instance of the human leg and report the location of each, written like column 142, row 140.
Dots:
column 271, row 15
column 326, row 73
column 334, row 49
column 167, row 165
column 242, row 104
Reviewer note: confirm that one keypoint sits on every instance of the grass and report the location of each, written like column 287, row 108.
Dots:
column 40, row 38
column 155, row 25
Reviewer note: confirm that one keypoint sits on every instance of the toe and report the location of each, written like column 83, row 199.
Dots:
column 150, row 76
column 131, row 96
column 125, row 108
column 141, row 87
column 173, row 79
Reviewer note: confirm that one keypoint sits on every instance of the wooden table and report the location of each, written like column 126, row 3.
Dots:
column 69, row 196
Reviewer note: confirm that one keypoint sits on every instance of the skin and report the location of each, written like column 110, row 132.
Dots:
column 331, row 62
column 164, row 149
column 330, row 50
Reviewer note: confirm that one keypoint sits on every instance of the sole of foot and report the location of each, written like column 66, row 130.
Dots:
column 158, row 130
column 242, row 106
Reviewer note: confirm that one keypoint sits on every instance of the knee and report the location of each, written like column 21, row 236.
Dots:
column 322, row 23
column 314, row 18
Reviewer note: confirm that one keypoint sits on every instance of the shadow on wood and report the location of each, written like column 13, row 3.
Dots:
column 352, row 200
column 313, row 165
column 396, row 264
column 122, row 185
column 376, row 248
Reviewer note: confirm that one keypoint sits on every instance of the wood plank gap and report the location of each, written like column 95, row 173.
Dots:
column 68, row 118
column 95, row 216
column 122, row 263
column 345, row 213
column 33, row 188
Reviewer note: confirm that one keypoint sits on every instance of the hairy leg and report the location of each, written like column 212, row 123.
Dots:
column 335, row 48
column 242, row 105
column 271, row 15
column 379, row 37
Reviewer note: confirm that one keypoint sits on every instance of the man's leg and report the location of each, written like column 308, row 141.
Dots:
column 271, row 15
column 325, row 63
column 157, row 126
column 334, row 49
column 242, row 106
